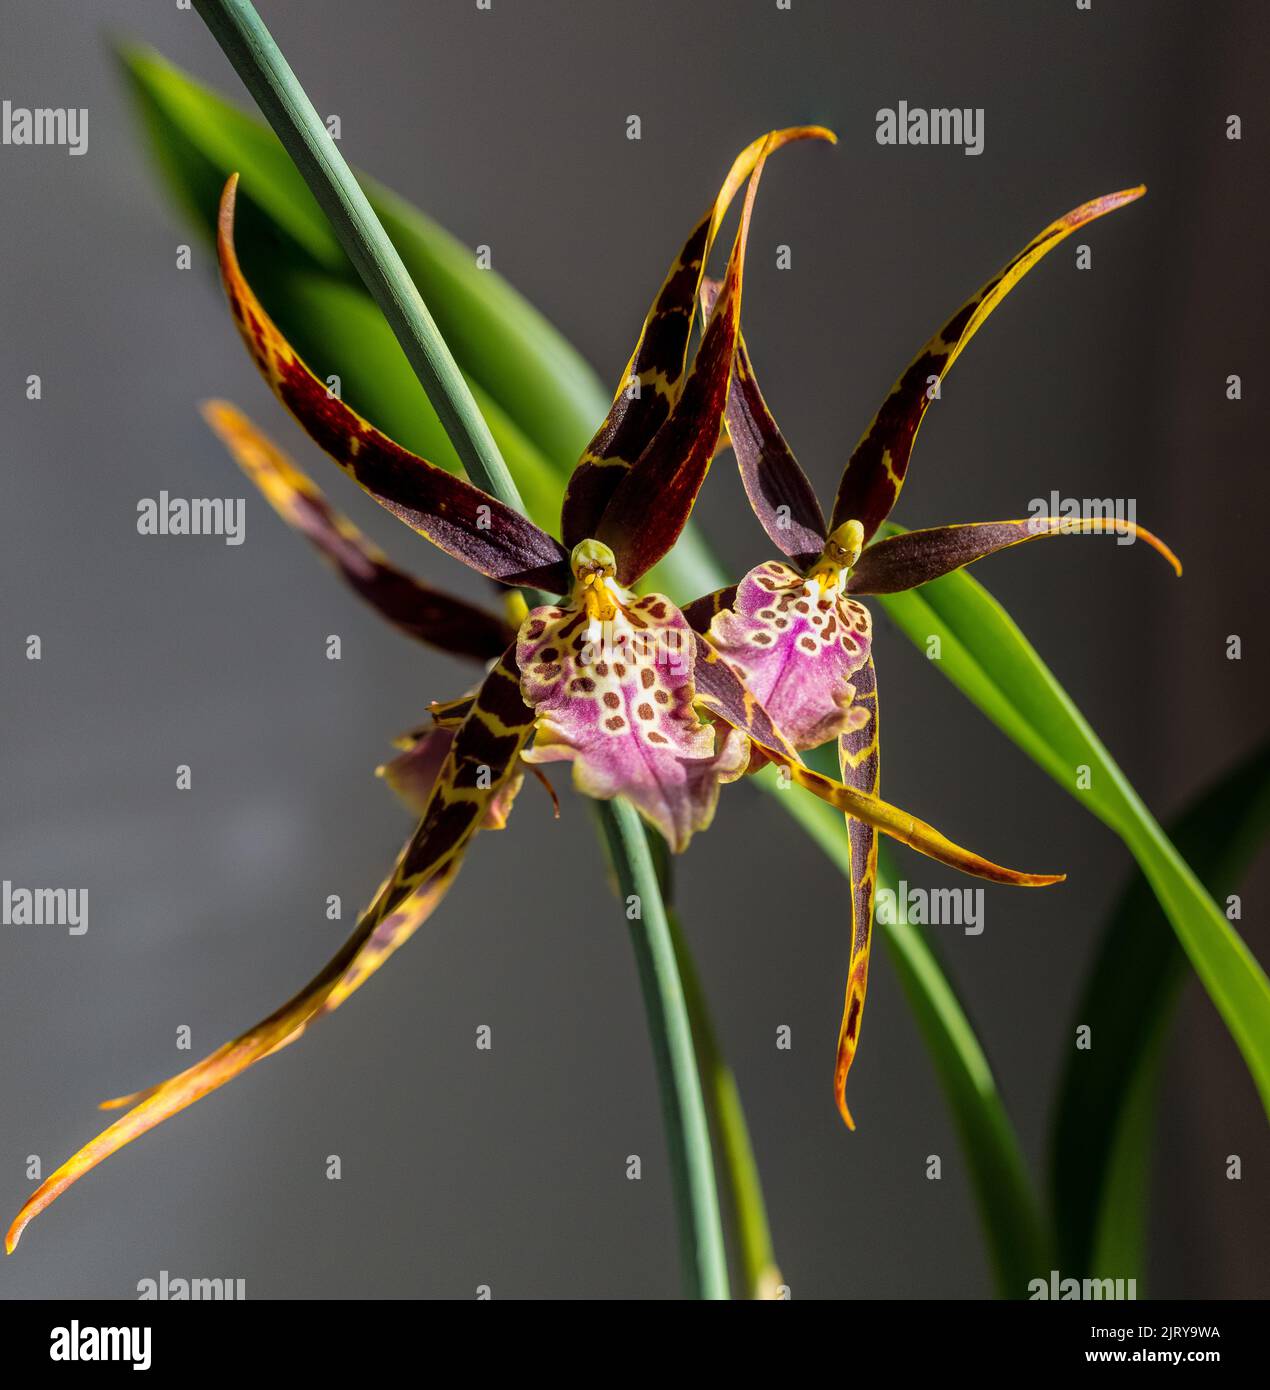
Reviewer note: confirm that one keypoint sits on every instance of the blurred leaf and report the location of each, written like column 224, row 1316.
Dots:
column 1106, row 1113
column 541, row 399
column 334, row 318
column 1018, row 1243
column 504, row 344
column 984, row 653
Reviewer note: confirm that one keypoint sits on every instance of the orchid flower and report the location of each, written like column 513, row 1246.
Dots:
column 797, row 634
column 614, row 682
column 462, row 772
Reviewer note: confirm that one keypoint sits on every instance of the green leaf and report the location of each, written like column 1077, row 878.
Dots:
column 503, row 344
column 1106, row 1113
column 1017, row 1240
column 984, row 653
column 541, row 399
column 339, row 330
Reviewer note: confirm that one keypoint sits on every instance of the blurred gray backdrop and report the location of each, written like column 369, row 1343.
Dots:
column 206, row 907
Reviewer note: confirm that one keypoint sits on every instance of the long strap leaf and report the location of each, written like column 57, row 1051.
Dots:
column 1104, row 1121
column 985, row 654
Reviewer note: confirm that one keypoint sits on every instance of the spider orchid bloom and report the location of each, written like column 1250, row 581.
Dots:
column 796, row 633
column 602, row 678
column 656, row 443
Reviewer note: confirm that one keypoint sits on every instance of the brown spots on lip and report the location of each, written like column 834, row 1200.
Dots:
column 647, row 678
column 808, row 644
column 655, row 737
column 645, row 711
column 661, row 697
column 616, row 723
column 584, row 685
column 612, row 700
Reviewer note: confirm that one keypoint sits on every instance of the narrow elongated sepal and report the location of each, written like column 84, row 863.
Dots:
column 916, row 557
column 616, row 701
column 908, row 830
column 478, row 529
column 409, row 605
column 875, row 472
column 720, row 690
column 151, row 1107
column 484, row 754
column 859, row 761
column 654, row 377
column 652, row 502
column 780, row 493
column 797, row 647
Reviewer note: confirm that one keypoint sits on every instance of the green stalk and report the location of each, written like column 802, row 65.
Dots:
column 683, row 1106
column 266, row 74
column 727, row 1117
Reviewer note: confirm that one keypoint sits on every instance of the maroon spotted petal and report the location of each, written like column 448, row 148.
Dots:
column 652, row 504
column 916, row 557
column 412, row 607
column 478, row 529
column 780, row 493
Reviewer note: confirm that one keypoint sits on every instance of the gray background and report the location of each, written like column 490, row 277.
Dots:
column 206, row 907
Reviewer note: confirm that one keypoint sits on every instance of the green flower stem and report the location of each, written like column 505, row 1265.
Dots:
column 727, row 1116
column 268, row 77
column 683, row 1105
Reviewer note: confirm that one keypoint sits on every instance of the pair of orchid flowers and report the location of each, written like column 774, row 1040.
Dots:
column 646, row 700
